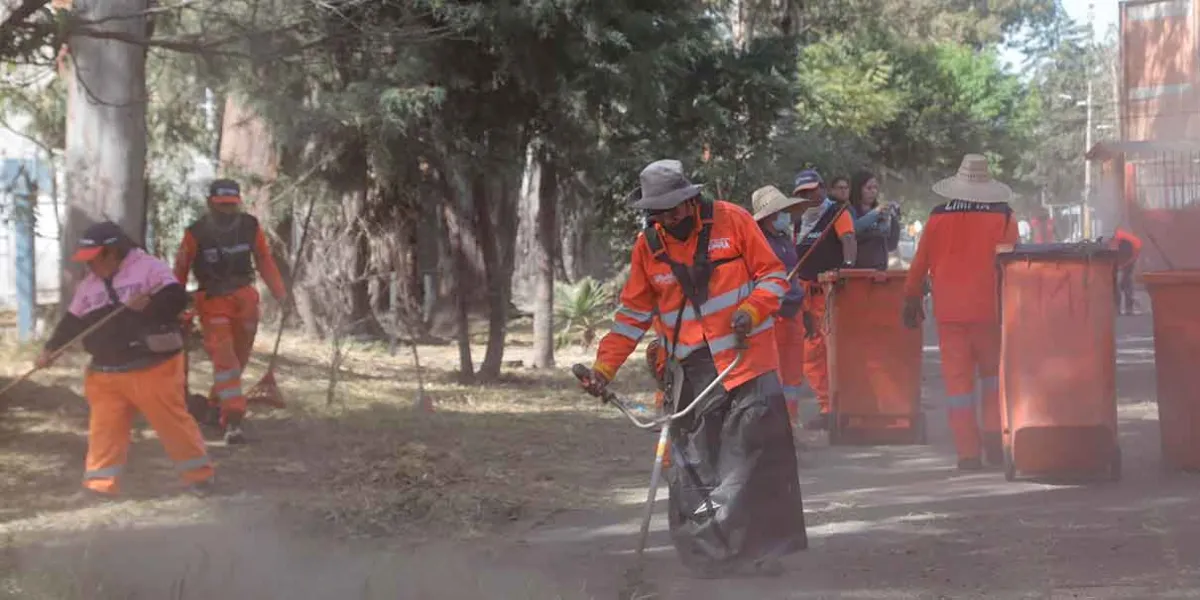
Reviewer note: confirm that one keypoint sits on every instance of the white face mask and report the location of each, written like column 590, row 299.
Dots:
column 782, row 222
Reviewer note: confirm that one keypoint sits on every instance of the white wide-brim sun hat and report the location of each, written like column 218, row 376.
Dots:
column 974, row 182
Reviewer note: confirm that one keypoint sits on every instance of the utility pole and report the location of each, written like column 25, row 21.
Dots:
column 1087, row 168
column 1086, row 212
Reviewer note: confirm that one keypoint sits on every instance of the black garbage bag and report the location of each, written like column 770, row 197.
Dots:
column 734, row 485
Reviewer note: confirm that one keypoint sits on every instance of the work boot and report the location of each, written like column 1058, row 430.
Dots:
column 233, row 430
column 993, row 449
column 234, row 435
column 87, row 497
column 970, row 464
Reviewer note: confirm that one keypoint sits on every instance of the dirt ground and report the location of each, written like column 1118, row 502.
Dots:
column 528, row 490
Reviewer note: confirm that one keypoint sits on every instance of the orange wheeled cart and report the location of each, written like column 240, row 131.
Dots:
column 874, row 360
column 1175, row 302
column 1058, row 398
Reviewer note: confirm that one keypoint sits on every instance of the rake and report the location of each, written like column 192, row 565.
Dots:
column 67, row 346
column 266, row 391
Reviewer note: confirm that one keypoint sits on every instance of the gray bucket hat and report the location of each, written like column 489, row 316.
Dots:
column 664, row 186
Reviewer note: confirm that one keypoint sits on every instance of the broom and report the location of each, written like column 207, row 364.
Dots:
column 67, row 346
column 266, row 391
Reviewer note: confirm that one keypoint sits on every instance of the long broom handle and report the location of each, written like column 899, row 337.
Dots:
column 287, row 308
column 62, row 349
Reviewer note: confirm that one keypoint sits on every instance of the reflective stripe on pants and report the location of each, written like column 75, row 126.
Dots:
column 971, row 351
column 156, row 392
column 816, row 366
column 230, row 323
column 789, row 338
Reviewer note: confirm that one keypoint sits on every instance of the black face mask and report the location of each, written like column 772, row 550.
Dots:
column 682, row 229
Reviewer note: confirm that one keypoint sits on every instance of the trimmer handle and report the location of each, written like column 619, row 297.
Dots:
column 583, row 374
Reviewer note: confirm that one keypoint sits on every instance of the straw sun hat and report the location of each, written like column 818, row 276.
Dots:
column 768, row 200
column 973, row 182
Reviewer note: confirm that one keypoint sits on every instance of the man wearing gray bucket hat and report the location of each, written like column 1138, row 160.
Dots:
column 958, row 249
column 705, row 269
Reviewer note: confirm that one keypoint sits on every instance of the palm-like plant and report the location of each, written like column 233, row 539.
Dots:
column 580, row 310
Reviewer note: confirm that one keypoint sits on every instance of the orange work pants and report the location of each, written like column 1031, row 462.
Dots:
column 968, row 350
column 789, row 338
column 816, row 366
column 230, row 323
column 156, row 392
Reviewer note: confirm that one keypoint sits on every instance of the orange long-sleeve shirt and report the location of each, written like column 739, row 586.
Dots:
column 1135, row 246
column 958, row 251
column 750, row 277
column 263, row 262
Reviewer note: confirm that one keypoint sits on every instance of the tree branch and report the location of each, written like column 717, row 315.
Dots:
column 19, row 15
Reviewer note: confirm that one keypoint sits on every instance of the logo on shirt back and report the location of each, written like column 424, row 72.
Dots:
column 664, row 278
column 960, row 206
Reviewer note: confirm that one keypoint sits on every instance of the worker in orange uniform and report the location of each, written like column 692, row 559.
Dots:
column 221, row 250
column 136, row 359
column 958, row 251
column 735, row 505
column 774, row 212
column 829, row 244
column 1128, row 247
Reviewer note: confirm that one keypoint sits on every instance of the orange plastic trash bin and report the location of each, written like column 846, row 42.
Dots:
column 1058, row 396
column 1174, row 299
column 874, row 360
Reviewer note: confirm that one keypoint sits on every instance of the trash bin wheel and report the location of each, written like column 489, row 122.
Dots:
column 1114, row 467
column 835, row 429
column 1010, row 465
column 920, row 433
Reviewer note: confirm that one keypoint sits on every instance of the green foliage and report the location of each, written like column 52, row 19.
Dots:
column 580, row 310
column 847, row 86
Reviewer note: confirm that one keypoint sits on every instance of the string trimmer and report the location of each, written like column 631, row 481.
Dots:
column 636, row 586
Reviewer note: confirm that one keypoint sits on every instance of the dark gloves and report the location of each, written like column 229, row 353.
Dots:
column 914, row 312
column 742, row 322
column 810, row 327
column 595, row 383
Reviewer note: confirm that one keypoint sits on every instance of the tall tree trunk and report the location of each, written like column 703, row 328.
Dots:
column 106, row 127
column 459, row 235
column 247, row 146
column 495, row 281
column 545, row 257
column 454, row 230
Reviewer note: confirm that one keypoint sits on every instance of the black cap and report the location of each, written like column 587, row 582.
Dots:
column 95, row 239
column 224, row 188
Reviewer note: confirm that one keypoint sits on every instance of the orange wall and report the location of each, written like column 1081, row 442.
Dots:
column 1160, row 95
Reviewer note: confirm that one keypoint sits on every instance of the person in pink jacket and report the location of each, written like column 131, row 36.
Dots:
column 136, row 359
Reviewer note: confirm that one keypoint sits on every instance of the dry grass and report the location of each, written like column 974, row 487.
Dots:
column 488, row 459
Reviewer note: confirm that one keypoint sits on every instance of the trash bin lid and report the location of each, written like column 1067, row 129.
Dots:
column 1172, row 277
column 873, row 274
column 1055, row 252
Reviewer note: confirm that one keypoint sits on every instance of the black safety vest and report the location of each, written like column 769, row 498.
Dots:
column 695, row 277
column 828, row 253
column 224, row 254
